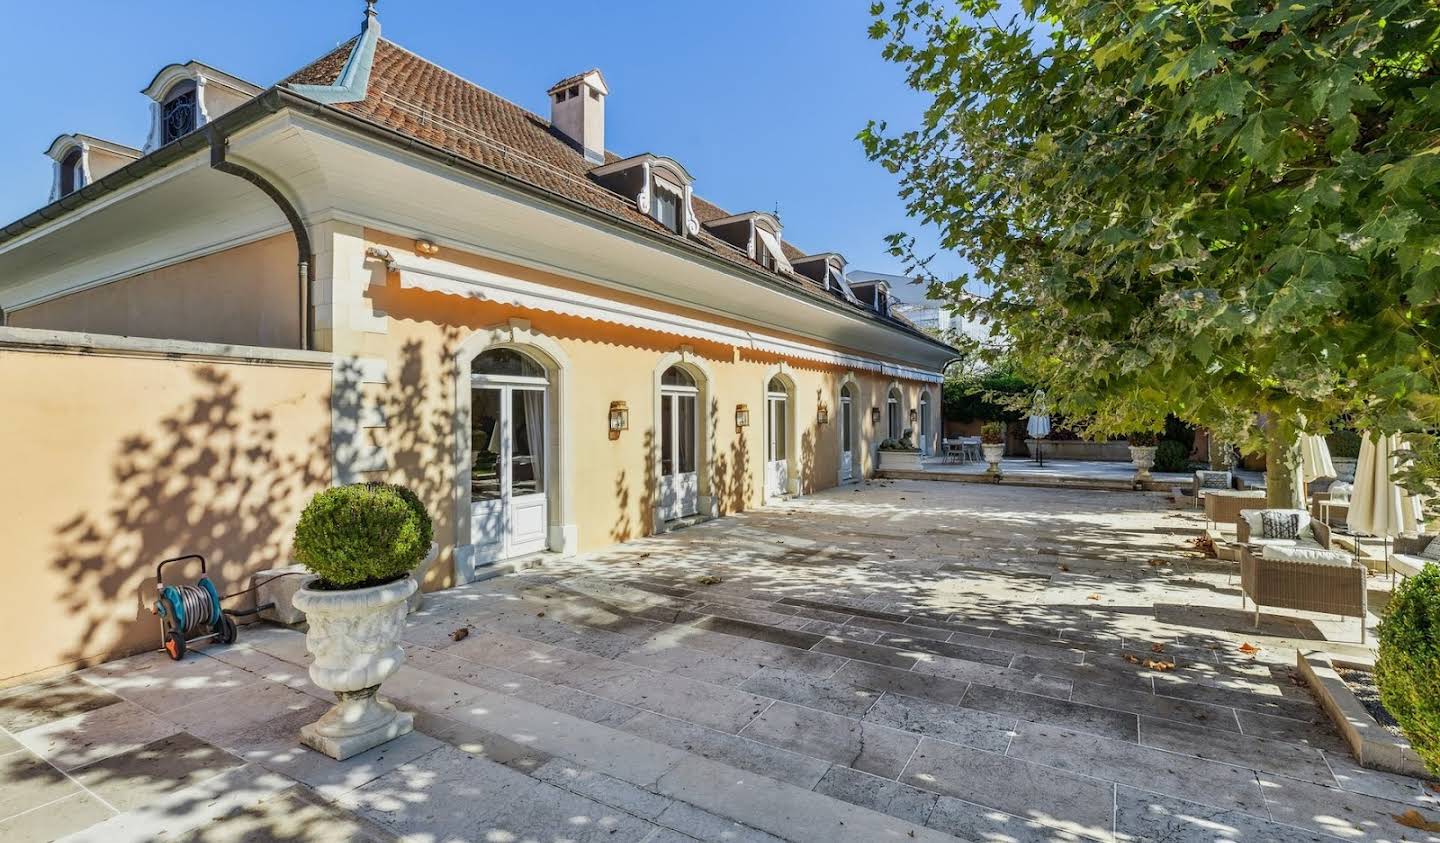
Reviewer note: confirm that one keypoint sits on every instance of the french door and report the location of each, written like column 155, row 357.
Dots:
column 679, row 442
column 924, row 442
column 777, row 474
column 847, row 436
column 509, row 430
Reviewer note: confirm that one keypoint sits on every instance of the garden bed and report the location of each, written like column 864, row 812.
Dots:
column 1377, row 745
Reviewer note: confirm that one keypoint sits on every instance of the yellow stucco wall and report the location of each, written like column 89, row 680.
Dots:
column 115, row 462
column 247, row 295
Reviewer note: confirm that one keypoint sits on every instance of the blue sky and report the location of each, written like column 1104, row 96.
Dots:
column 760, row 100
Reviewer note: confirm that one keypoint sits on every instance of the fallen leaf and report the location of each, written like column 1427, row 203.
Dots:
column 1434, row 788
column 1158, row 665
column 1157, row 648
column 1131, row 657
column 1093, row 597
column 459, row 634
column 1064, row 567
column 1249, row 649
column 1414, row 819
column 1155, row 563
column 539, row 614
column 709, row 579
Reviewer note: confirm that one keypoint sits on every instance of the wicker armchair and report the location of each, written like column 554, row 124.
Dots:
column 1405, row 553
column 1205, row 482
column 1303, row 586
column 1223, row 507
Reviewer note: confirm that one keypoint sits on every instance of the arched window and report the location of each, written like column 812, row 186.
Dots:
column 507, row 362
column 72, row 172
column 847, row 433
column 180, row 112
column 892, row 415
column 776, row 386
column 676, row 376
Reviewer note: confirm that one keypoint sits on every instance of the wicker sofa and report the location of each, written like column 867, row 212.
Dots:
column 1406, row 554
column 1335, row 587
column 1224, row 507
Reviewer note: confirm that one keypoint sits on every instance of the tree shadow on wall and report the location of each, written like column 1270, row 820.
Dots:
column 634, row 523
column 210, row 479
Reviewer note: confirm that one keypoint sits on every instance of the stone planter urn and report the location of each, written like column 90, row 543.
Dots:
column 354, row 639
column 1143, row 456
column 993, row 453
column 902, row 460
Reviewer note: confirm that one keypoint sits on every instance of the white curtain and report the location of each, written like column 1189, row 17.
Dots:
column 535, row 432
column 1379, row 506
column 1314, row 459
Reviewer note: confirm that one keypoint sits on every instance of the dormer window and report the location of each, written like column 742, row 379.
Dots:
column 72, row 172
column 180, row 112
column 659, row 186
column 185, row 97
column 763, row 256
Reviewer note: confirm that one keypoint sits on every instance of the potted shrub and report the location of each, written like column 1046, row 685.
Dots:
column 900, row 454
column 1142, row 453
column 362, row 542
column 1407, row 668
column 992, row 445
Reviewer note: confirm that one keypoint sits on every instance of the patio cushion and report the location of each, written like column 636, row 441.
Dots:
column 1278, row 524
column 1302, row 553
column 1255, row 519
column 1408, row 565
column 1213, row 479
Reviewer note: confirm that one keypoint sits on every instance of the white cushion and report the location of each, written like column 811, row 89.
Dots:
column 1407, row 564
column 1252, row 518
column 1298, row 553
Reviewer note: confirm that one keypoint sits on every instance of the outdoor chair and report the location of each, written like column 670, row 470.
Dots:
column 1301, row 573
column 1211, row 481
column 1332, row 505
column 1223, row 506
column 1409, row 554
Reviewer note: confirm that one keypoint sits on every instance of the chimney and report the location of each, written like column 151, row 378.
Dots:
column 577, row 111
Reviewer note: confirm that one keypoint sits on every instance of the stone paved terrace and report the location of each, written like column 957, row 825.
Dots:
column 893, row 662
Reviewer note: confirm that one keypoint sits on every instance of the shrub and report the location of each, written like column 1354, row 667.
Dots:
column 896, row 445
column 992, row 433
column 1408, row 667
column 1344, row 444
column 1143, row 439
column 362, row 535
column 1171, row 456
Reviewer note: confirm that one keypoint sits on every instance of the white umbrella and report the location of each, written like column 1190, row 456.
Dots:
column 1378, row 505
column 1315, row 459
column 1039, row 427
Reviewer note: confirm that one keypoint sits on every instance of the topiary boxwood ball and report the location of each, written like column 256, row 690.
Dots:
column 1408, row 667
column 362, row 535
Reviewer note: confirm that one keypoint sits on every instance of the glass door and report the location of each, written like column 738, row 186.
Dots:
column 508, row 436
column 924, row 443
column 777, row 474
column 679, row 437
column 847, row 436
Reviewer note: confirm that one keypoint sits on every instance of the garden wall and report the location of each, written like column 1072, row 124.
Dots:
column 121, row 452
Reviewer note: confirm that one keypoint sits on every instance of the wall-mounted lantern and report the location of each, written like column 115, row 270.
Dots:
column 619, row 418
column 875, row 415
column 426, row 247
column 742, row 415
column 823, row 416
column 914, row 417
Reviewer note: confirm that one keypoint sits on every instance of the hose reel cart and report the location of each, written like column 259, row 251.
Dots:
column 191, row 612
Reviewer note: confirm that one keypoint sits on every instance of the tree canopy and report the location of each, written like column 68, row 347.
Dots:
column 1206, row 207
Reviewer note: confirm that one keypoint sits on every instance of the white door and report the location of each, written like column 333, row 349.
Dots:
column 679, row 441
column 777, row 474
column 847, row 436
column 509, row 510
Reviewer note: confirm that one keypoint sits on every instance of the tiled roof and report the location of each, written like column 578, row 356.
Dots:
column 423, row 100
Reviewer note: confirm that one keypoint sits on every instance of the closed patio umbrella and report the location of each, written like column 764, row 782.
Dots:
column 1315, row 459
column 1378, row 505
column 1039, row 427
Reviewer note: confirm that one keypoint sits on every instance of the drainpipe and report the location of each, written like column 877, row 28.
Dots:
column 306, row 268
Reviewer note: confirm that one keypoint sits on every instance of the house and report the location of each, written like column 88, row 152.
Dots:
column 377, row 270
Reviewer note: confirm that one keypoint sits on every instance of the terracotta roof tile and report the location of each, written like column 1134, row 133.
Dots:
column 415, row 97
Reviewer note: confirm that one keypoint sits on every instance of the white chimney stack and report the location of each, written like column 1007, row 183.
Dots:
column 577, row 111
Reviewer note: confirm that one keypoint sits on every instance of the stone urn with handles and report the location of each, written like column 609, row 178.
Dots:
column 993, row 452
column 354, row 637
column 1143, row 456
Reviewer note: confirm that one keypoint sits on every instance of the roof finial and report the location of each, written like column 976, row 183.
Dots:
column 370, row 10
